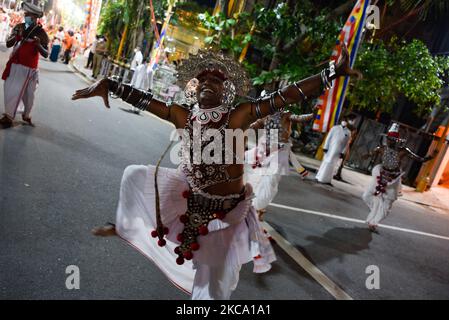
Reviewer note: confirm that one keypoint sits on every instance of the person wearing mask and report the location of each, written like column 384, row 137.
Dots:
column 90, row 58
column 21, row 73
column 334, row 149
column 100, row 52
column 137, row 59
column 385, row 184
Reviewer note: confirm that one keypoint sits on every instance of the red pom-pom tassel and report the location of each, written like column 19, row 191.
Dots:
column 185, row 194
column 154, row 233
column 220, row 215
column 180, row 260
column 161, row 243
column 203, row 230
column 194, row 246
column 183, row 218
column 188, row 255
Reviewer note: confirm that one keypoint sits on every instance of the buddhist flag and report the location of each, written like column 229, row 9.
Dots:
column 331, row 101
column 159, row 47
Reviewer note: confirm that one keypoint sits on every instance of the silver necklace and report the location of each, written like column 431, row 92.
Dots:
column 204, row 116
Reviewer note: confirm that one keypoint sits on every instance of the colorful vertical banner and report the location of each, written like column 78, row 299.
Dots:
column 331, row 101
column 159, row 46
column 93, row 8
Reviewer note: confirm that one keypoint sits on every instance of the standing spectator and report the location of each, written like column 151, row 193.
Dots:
column 21, row 73
column 77, row 43
column 90, row 59
column 68, row 45
column 56, row 45
column 100, row 53
column 137, row 59
column 334, row 148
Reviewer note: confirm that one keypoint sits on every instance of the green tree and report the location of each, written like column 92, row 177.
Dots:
column 394, row 69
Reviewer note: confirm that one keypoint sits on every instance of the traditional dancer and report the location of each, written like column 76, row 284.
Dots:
column 201, row 212
column 264, row 175
column 334, row 149
column 386, row 177
column 21, row 74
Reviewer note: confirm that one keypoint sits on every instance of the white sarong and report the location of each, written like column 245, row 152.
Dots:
column 214, row 271
column 380, row 205
column 20, row 86
column 265, row 178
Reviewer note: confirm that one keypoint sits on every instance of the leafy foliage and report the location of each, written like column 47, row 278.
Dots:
column 398, row 68
column 311, row 36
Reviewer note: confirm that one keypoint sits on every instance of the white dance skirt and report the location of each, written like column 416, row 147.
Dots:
column 213, row 272
column 265, row 178
column 380, row 205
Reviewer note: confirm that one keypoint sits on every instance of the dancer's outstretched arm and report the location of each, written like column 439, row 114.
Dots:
column 296, row 92
column 374, row 152
column 301, row 118
column 409, row 153
column 140, row 99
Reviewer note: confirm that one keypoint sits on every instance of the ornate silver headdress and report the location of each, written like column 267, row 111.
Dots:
column 237, row 80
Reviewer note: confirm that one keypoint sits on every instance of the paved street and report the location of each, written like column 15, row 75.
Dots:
column 61, row 178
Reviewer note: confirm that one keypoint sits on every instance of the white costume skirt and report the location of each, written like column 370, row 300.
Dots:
column 265, row 178
column 380, row 205
column 214, row 270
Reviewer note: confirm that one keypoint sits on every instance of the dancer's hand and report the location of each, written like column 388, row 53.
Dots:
column 343, row 68
column 98, row 89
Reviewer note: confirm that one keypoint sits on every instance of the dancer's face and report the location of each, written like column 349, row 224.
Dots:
column 210, row 89
column 32, row 18
column 391, row 142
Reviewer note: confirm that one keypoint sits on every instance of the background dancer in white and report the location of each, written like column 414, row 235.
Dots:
column 385, row 183
column 265, row 176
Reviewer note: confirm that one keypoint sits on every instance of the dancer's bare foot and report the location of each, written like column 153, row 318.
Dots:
column 106, row 231
column 372, row 228
column 28, row 120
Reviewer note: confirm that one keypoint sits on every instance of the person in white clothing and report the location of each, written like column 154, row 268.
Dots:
column 142, row 78
column 334, row 149
column 267, row 165
column 385, row 184
column 197, row 222
column 137, row 59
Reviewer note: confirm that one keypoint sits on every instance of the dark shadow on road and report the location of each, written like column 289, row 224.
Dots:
column 130, row 111
column 283, row 266
column 336, row 244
